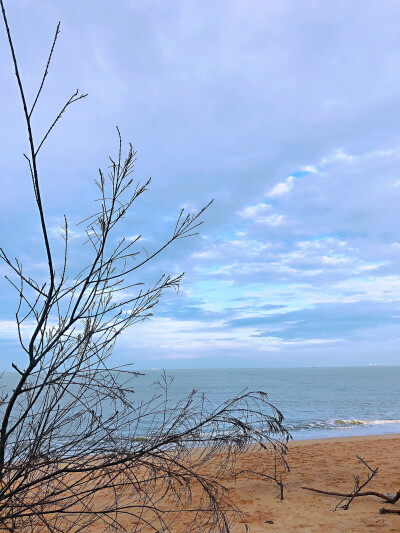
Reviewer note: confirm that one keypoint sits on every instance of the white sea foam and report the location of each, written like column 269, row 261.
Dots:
column 356, row 422
column 335, row 424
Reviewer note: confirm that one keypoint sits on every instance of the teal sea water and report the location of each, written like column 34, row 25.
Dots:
column 316, row 402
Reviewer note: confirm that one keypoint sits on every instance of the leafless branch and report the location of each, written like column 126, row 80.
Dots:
column 77, row 447
column 358, row 490
column 46, row 70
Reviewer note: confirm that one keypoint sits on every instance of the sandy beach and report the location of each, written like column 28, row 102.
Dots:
column 323, row 464
column 327, row 464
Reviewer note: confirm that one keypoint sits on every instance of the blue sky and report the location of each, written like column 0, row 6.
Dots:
column 286, row 113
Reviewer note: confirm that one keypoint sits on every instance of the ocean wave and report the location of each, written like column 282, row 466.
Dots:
column 337, row 424
column 356, row 422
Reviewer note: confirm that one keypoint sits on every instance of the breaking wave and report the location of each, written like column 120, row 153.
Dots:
column 337, row 424
column 356, row 422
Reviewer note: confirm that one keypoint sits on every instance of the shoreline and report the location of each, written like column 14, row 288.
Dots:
column 344, row 438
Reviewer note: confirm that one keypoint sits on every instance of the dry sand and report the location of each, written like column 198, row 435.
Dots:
column 327, row 464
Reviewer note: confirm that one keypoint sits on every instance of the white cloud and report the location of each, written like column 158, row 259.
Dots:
column 178, row 339
column 226, row 249
column 368, row 268
column 282, row 188
column 383, row 153
column 317, row 244
column 207, row 254
column 258, row 214
column 334, row 260
column 384, row 289
column 254, row 211
column 9, row 331
column 338, row 155
column 378, row 289
column 58, row 231
column 272, row 220
column 310, row 169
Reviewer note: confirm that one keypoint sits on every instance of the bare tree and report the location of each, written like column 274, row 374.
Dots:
column 76, row 446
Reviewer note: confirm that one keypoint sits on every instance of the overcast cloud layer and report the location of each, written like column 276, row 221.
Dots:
column 286, row 113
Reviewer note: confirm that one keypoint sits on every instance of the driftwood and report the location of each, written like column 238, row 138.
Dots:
column 357, row 491
column 389, row 511
column 386, row 497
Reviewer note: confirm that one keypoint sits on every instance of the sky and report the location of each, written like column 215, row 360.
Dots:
column 286, row 113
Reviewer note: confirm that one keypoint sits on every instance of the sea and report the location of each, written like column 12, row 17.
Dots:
column 315, row 402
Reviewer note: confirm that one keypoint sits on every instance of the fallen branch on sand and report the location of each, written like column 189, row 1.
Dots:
column 357, row 491
column 387, row 511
